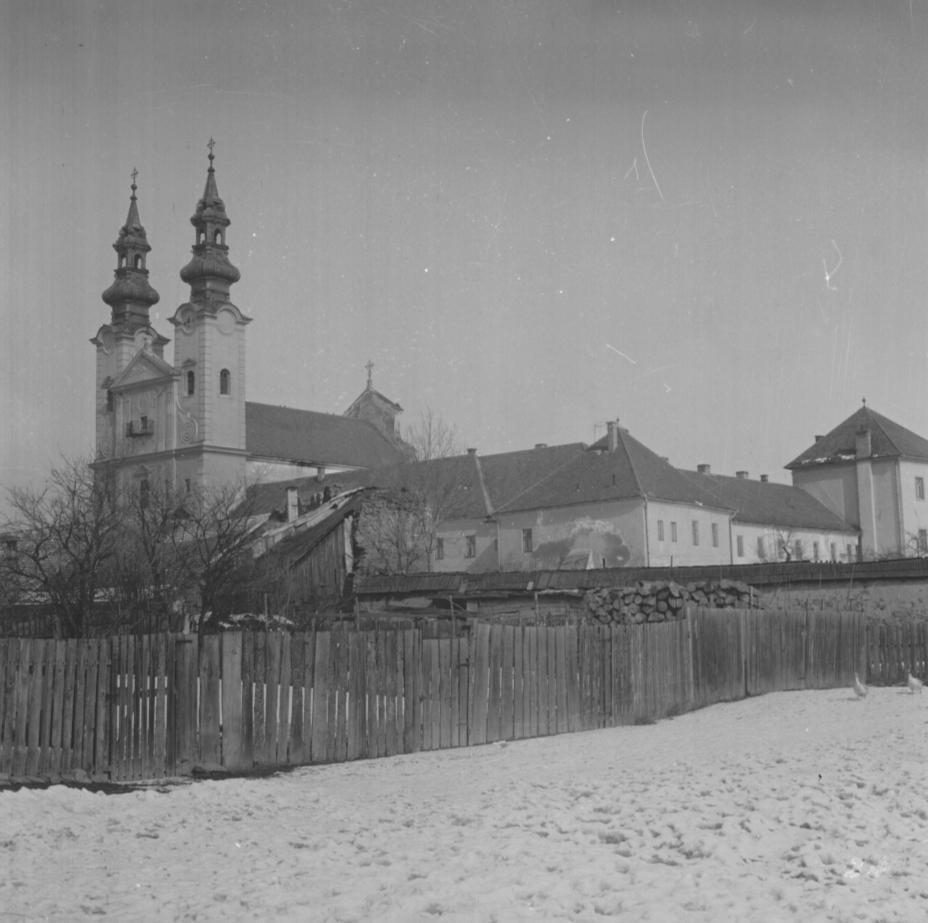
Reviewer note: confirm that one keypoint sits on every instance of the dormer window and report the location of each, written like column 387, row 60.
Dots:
column 191, row 382
column 225, row 382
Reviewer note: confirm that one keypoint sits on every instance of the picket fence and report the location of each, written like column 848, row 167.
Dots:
column 130, row 708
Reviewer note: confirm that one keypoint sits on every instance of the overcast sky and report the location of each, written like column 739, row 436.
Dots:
column 706, row 218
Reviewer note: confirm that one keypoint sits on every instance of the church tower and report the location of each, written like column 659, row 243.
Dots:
column 134, row 385
column 209, row 352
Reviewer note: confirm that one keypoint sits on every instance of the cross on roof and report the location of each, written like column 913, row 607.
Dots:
column 370, row 371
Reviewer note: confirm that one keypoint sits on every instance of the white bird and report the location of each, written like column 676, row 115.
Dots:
column 859, row 688
column 915, row 684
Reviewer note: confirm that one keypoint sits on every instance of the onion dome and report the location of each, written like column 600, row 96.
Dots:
column 209, row 272
column 130, row 296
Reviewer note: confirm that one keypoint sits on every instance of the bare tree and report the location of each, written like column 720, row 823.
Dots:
column 398, row 528
column 212, row 539
column 432, row 437
column 66, row 533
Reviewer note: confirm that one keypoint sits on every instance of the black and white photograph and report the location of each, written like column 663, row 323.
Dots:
column 463, row 460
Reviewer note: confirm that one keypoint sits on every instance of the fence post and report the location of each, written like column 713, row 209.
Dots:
column 183, row 705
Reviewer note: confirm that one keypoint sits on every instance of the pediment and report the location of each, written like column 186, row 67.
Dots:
column 145, row 368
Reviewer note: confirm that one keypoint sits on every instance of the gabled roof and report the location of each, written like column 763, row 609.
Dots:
column 766, row 503
column 143, row 368
column 375, row 397
column 887, row 440
column 598, row 474
column 315, row 438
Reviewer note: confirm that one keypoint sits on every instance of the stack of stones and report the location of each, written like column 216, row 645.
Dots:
column 662, row 601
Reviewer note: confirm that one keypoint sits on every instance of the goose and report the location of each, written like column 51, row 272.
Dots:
column 859, row 688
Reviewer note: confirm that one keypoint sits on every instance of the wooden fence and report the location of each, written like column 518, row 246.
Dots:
column 129, row 708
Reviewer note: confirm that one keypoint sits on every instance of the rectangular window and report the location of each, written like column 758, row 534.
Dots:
column 797, row 549
column 919, row 488
column 471, row 549
column 673, row 531
column 850, row 553
column 761, row 548
column 739, row 541
column 923, row 541
column 695, row 532
column 110, row 402
column 815, row 551
column 715, row 535
column 660, row 530
column 834, row 552
column 527, row 541
column 439, row 549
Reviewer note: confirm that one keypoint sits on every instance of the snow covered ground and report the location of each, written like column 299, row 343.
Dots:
column 800, row 805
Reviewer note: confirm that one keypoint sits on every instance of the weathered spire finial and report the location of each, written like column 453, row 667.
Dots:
column 134, row 174
column 370, row 374
column 865, row 402
column 211, row 144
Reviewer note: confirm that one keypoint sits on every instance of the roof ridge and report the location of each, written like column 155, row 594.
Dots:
column 621, row 433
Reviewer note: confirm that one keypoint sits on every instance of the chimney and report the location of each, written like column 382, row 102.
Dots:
column 541, row 445
column 863, row 444
column 612, row 428
column 293, row 504
column 704, row 469
column 743, row 475
column 764, row 478
column 471, row 451
column 819, row 438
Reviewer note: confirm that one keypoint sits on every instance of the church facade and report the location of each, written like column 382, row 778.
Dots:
column 186, row 423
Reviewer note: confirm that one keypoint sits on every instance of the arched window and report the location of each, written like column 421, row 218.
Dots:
column 137, row 262
column 191, row 382
column 201, row 237
column 225, row 382
column 122, row 260
column 217, row 237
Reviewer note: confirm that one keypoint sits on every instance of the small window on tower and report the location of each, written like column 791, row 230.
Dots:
column 225, row 382
column 122, row 260
column 217, row 237
column 137, row 262
column 191, row 382
column 201, row 237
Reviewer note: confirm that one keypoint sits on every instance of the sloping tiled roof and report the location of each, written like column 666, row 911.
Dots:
column 315, row 438
column 887, row 440
column 766, row 503
column 506, row 475
column 597, row 474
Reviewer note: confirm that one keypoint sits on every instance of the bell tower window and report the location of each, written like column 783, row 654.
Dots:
column 191, row 382
column 201, row 237
column 225, row 382
column 137, row 262
column 217, row 237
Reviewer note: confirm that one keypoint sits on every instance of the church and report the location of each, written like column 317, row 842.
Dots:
column 186, row 423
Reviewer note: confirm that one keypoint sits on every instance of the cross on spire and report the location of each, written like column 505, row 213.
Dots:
column 211, row 144
column 370, row 374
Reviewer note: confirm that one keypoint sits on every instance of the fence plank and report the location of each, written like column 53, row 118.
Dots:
column 271, row 697
column 186, row 755
column 321, row 681
column 159, row 719
column 507, row 684
column 259, row 700
column 357, row 695
column 298, row 698
column 231, row 742
column 309, row 673
column 479, row 684
column 411, row 712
